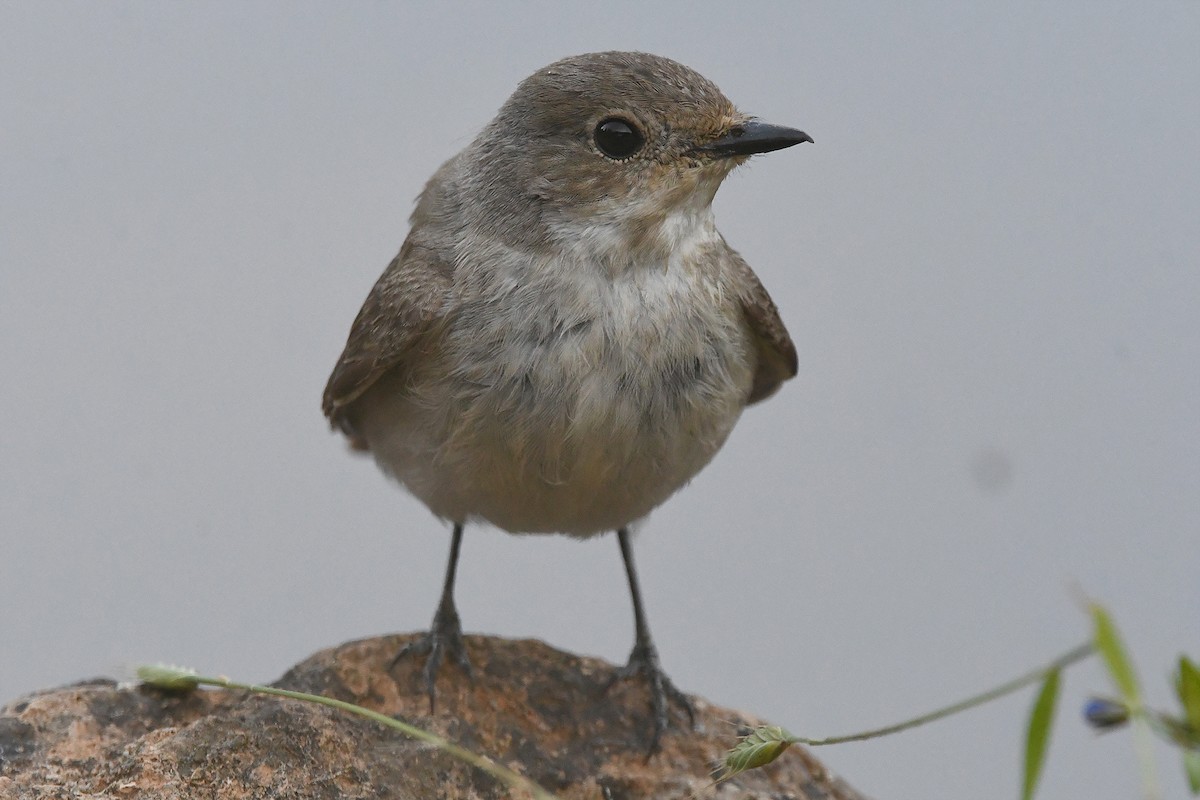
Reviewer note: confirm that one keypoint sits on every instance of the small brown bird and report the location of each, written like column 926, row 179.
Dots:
column 565, row 339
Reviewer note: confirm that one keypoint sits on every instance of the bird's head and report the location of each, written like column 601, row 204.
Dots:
column 619, row 152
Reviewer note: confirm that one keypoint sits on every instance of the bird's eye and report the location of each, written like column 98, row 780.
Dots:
column 618, row 138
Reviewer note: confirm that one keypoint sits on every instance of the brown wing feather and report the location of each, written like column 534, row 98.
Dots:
column 776, row 354
column 402, row 309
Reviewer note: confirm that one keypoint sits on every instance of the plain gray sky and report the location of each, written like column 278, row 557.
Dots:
column 988, row 261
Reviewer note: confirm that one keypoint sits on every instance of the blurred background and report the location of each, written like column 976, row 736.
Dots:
column 988, row 262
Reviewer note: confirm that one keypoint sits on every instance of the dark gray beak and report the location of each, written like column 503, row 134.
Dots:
column 754, row 137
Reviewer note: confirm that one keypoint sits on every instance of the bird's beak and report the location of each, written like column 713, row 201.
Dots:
column 753, row 137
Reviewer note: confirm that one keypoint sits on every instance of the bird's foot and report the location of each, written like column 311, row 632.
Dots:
column 445, row 638
column 643, row 661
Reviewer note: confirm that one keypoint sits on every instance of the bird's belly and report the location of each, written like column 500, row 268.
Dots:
column 580, row 432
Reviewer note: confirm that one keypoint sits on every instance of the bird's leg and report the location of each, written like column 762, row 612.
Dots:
column 445, row 634
column 643, row 660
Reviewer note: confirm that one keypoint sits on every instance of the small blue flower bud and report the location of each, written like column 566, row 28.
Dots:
column 1103, row 714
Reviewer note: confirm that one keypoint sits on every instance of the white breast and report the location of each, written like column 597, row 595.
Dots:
column 567, row 399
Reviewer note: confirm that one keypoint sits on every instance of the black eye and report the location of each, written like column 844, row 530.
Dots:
column 618, row 138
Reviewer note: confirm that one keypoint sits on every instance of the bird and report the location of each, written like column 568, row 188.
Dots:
column 565, row 338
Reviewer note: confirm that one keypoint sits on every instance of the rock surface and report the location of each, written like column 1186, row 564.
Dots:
column 536, row 710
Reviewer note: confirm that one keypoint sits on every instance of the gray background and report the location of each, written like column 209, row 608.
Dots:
column 988, row 261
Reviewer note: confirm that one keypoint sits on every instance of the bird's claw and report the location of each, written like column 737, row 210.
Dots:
column 644, row 661
column 444, row 638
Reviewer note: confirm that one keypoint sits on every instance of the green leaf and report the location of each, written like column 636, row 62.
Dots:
column 1108, row 642
column 1037, row 739
column 166, row 676
column 1188, row 687
column 1191, row 765
column 757, row 748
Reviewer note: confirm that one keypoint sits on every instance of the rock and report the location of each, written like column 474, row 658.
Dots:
column 539, row 711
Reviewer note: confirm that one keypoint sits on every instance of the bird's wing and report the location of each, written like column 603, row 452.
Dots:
column 776, row 353
column 403, row 309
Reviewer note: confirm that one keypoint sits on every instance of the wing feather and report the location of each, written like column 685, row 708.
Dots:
column 777, row 360
column 403, row 309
